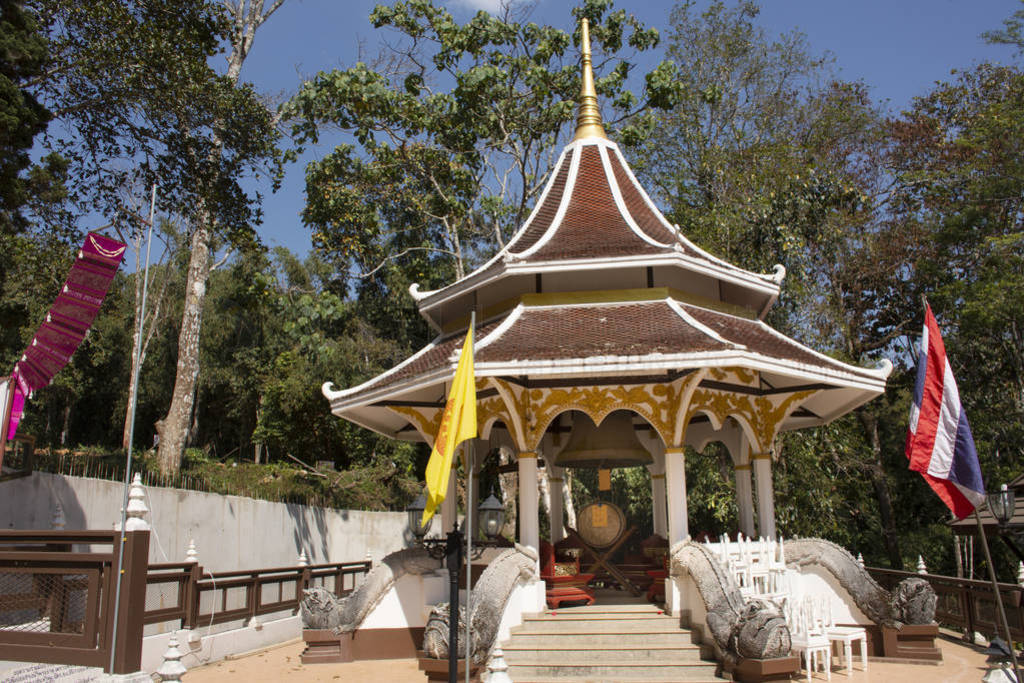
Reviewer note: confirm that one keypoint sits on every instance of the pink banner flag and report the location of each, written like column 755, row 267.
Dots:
column 70, row 317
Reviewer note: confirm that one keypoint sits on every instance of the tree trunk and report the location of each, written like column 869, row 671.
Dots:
column 570, row 509
column 876, row 472
column 174, row 428
column 246, row 17
column 509, row 491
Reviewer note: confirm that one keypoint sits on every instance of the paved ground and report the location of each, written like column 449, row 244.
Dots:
column 961, row 664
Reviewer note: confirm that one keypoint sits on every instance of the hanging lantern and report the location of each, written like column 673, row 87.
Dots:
column 613, row 444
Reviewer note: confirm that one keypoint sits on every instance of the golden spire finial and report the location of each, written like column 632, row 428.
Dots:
column 588, row 120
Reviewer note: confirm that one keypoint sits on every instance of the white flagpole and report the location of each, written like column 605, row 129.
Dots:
column 996, row 594
column 131, row 431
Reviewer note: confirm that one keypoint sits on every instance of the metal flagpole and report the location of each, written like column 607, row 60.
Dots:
column 470, row 453
column 998, row 597
column 131, row 432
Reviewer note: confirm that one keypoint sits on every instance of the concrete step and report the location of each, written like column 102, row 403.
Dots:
column 588, row 625
column 610, row 638
column 537, row 653
column 630, row 679
column 601, row 614
column 613, row 670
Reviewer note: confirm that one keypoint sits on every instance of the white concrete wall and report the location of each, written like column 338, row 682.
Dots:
column 230, row 532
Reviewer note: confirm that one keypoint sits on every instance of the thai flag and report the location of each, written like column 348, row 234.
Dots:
column 939, row 441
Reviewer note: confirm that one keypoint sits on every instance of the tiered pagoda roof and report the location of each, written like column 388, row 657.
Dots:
column 598, row 286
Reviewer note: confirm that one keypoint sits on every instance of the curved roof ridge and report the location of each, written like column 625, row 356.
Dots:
column 414, row 289
column 620, row 201
column 332, row 394
column 563, row 206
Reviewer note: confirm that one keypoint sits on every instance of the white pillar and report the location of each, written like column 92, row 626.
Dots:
column 450, row 504
column 556, row 475
column 745, row 499
column 675, row 484
column 660, row 507
column 765, row 494
column 529, row 519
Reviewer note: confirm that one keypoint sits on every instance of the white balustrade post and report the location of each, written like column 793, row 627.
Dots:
column 498, row 668
column 58, row 522
column 135, row 516
column 172, row 669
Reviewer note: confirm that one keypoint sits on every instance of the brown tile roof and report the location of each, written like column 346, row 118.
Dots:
column 652, row 223
column 632, row 329
column 758, row 339
column 435, row 356
column 593, row 226
column 540, row 221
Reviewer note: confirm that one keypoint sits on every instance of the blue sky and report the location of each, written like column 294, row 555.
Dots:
column 900, row 48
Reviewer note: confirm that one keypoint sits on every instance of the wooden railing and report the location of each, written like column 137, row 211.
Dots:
column 57, row 595
column 966, row 605
column 195, row 598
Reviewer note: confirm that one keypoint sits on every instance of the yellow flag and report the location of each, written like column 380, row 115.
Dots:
column 458, row 423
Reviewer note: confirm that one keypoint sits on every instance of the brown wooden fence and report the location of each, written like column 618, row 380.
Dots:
column 184, row 593
column 57, row 593
column 966, row 605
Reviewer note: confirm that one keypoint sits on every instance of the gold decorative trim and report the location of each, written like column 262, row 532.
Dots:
column 527, row 455
column 657, row 476
column 761, row 456
column 674, row 450
column 741, row 468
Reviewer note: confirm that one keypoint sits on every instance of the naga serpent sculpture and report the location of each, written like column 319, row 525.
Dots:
column 912, row 602
column 740, row 629
column 322, row 610
column 756, row 629
column 490, row 595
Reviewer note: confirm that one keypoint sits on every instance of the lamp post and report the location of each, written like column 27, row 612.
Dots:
column 490, row 514
column 1002, row 505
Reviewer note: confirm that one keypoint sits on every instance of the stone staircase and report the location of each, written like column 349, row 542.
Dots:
column 605, row 643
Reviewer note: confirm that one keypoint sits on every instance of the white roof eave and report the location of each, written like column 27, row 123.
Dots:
column 862, row 379
column 751, row 282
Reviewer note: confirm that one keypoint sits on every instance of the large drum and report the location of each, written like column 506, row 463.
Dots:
column 601, row 524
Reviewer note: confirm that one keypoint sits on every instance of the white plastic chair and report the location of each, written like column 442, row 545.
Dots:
column 847, row 636
column 809, row 643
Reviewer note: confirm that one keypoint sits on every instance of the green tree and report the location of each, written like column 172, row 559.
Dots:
column 23, row 51
column 450, row 139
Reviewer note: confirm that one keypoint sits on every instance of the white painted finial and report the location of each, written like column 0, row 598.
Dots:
column 1020, row 573
column 498, row 668
column 172, row 669
column 860, row 560
column 57, row 523
column 137, row 509
column 191, row 555
column 303, row 561
column 921, row 569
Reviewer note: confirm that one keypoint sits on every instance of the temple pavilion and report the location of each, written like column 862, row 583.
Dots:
column 600, row 314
